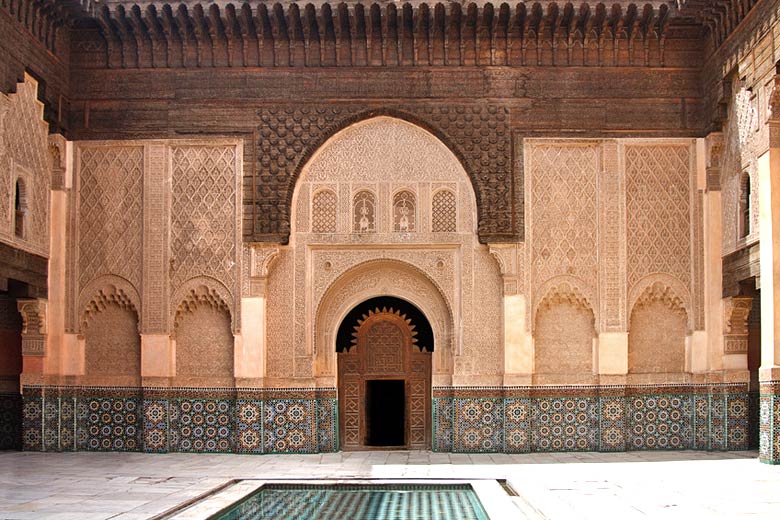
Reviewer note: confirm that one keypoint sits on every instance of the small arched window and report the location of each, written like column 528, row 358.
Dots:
column 443, row 212
column 364, row 212
column 404, row 212
column 744, row 206
column 20, row 208
column 323, row 214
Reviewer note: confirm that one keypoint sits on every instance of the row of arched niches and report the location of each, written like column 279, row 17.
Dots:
column 403, row 208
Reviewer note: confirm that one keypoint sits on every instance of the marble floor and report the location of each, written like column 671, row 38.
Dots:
column 648, row 485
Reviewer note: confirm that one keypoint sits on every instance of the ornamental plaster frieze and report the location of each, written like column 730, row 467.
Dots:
column 438, row 264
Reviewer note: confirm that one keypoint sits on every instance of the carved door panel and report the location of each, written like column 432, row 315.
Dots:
column 384, row 349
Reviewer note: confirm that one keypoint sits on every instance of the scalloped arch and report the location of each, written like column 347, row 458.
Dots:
column 564, row 288
column 104, row 290
column 382, row 277
column 664, row 287
column 201, row 290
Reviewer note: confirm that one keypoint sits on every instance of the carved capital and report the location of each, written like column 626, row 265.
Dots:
column 33, row 313
column 735, row 315
column 262, row 256
column 57, row 161
column 506, row 256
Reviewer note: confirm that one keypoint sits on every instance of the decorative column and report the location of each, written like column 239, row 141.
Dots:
column 58, row 251
column 33, row 311
column 769, row 228
column 250, row 351
column 157, row 351
column 713, row 253
column 612, row 346
column 518, row 355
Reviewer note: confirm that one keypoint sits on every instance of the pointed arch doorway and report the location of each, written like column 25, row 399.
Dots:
column 384, row 350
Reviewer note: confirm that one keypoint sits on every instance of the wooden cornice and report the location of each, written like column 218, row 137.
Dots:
column 321, row 34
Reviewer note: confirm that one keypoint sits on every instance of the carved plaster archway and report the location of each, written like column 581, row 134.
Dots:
column 664, row 286
column 383, row 278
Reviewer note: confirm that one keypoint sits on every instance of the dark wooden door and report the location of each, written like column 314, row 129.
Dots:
column 384, row 348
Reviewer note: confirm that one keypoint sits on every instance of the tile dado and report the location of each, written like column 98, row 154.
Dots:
column 179, row 420
column 769, row 422
column 531, row 419
column 465, row 419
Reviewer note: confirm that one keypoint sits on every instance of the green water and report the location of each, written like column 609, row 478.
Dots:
column 354, row 501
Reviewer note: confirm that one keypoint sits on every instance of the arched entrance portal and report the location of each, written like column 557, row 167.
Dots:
column 384, row 350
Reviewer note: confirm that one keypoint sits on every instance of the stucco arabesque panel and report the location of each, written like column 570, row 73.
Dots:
column 24, row 154
column 109, row 214
column 562, row 180
column 205, row 220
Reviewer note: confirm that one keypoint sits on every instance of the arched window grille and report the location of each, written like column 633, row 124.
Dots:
column 404, row 212
column 364, row 212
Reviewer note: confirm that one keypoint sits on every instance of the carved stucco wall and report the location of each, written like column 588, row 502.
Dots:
column 606, row 220
column 321, row 276
column 739, row 159
column 112, row 346
column 204, row 348
column 155, row 225
column 24, row 154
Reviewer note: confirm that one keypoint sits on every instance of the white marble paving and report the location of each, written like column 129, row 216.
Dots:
column 570, row 486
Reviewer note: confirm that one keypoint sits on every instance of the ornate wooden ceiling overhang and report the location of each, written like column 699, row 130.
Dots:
column 194, row 34
column 385, row 32
column 45, row 18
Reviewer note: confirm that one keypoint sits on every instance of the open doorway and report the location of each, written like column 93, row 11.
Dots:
column 10, row 365
column 386, row 412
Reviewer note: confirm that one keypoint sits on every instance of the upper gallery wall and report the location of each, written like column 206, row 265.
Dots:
column 285, row 76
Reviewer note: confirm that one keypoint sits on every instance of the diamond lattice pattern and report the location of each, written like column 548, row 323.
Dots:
column 563, row 198
column 323, row 212
column 203, row 214
column 658, row 207
column 110, row 213
column 443, row 212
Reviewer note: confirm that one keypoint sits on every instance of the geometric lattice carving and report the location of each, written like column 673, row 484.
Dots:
column 479, row 136
column 564, row 211
column 323, row 212
column 203, row 218
column 443, row 212
column 658, row 211
column 364, row 204
column 110, row 213
column 404, row 211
